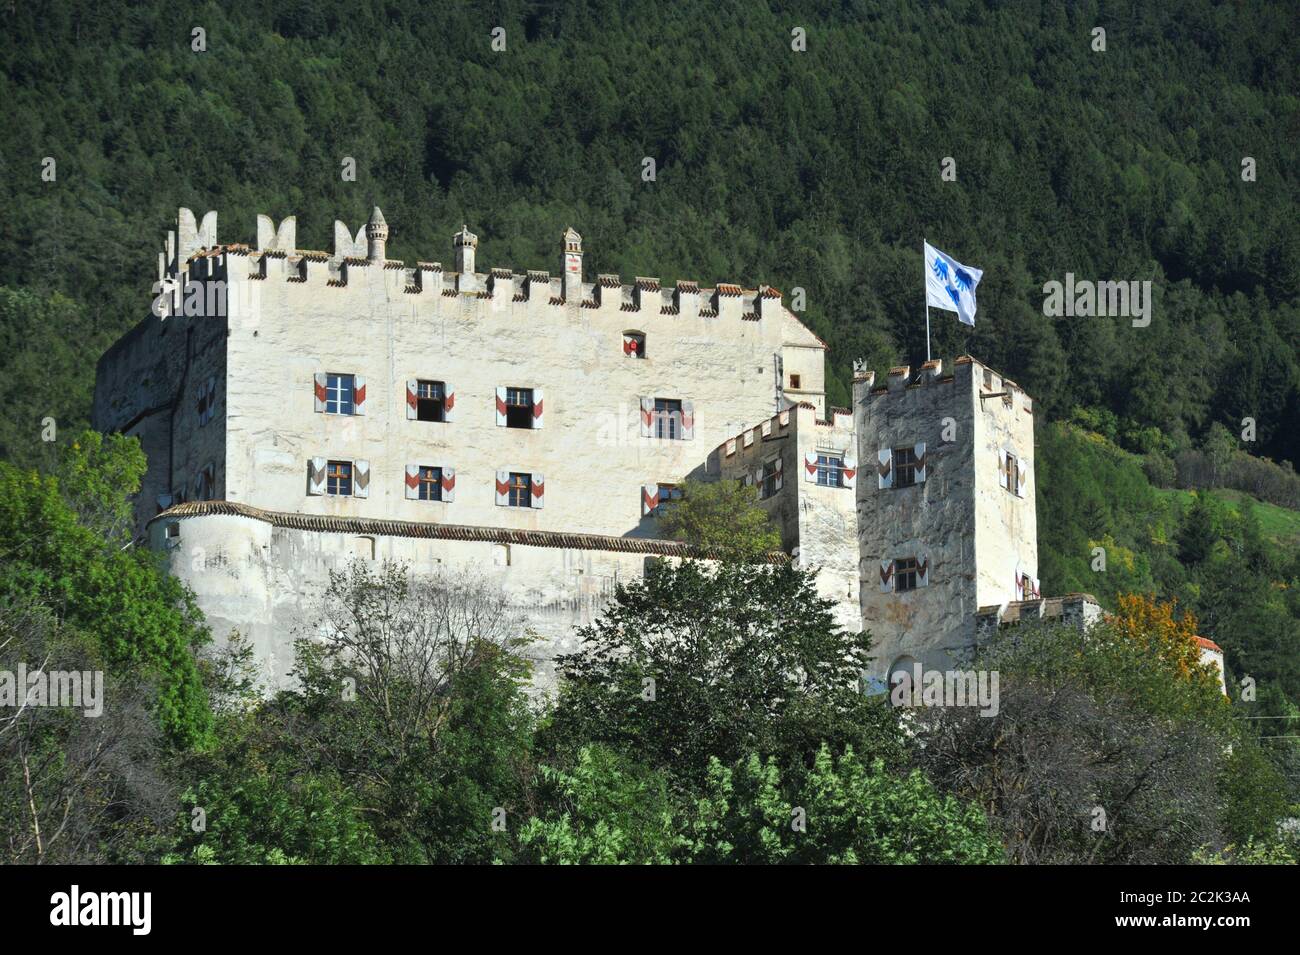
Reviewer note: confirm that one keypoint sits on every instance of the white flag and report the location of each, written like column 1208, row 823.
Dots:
column 950, row 285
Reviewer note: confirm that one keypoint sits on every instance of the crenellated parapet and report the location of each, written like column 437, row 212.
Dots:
column 193, row 250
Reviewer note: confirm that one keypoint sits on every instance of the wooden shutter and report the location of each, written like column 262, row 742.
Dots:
column 688, row 420
column 919, row 451
column 649, row 498
column 647, row 416
column 360, row 478
column 316, row 476
column 412, row 482
column 849, row 474
column 1022, row 478
column 501, row 407
column 538, row 490
column 322, row 391
column 780, row 476
column 358, row 394
column 886, row 576
column 503, row 487
column 885, row 467
column 923, row 570
column 537, row 407
column 1002, row 468
column 448, row 401
column 448, row 485
column 412, row 399
column 1020, row 584
column 810, row 467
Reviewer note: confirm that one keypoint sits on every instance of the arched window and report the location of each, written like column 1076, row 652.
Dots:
column 634, row 344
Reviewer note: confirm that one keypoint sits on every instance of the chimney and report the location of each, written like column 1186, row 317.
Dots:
column 376, row 237
column 572, row 266
column 465, row 243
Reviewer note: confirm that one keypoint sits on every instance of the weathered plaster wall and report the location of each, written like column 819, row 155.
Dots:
column 1006, row 528
column 821, row 522
column 974, row 532
column 147, row 386
column 267, row 582
column 590, row 446
column 293, row 315
column 934, row 520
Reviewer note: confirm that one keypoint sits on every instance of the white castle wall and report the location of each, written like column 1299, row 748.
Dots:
column 294, row 314
column 818, row 523
column 266, row 581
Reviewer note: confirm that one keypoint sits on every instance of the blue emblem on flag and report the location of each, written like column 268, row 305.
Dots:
column 950, row 285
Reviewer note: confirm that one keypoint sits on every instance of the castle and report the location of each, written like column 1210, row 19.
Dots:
column 302, row 409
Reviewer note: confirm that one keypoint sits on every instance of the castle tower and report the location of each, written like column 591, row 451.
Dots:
column 946, row 518
column 572, row 266
column 465, row 243
column 376, row 236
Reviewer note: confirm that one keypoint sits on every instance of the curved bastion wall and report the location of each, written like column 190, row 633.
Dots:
column 259, row 574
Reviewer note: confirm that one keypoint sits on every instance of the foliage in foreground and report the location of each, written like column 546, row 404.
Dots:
column 842, row 812
column 1109, row 747
column 692, row 663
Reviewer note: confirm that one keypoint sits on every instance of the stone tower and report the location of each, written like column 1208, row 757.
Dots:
column 945, row 501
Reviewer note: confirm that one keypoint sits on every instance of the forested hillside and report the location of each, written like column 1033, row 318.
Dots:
column 816, row 168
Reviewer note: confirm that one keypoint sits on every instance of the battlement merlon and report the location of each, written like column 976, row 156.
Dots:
column 900, row 380
column 275, row 255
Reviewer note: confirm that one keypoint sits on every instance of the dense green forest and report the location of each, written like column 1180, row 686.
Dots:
column 1169, row 156
column 817, row 169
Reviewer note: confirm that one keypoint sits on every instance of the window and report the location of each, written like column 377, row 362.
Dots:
column 634, row 344
column 830, row 470
column 521, row 494
column 338, row 395
column 795, row 382
column 430, row 402
column 905, row 574
column 338, row 478
column 668, row 418
column 1012, row 473
column 669, row 494
column 430, row 484
column 769, row 485
column 519, row 409
column 905, row 467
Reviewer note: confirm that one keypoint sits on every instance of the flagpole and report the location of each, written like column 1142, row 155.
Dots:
column 927, row 329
